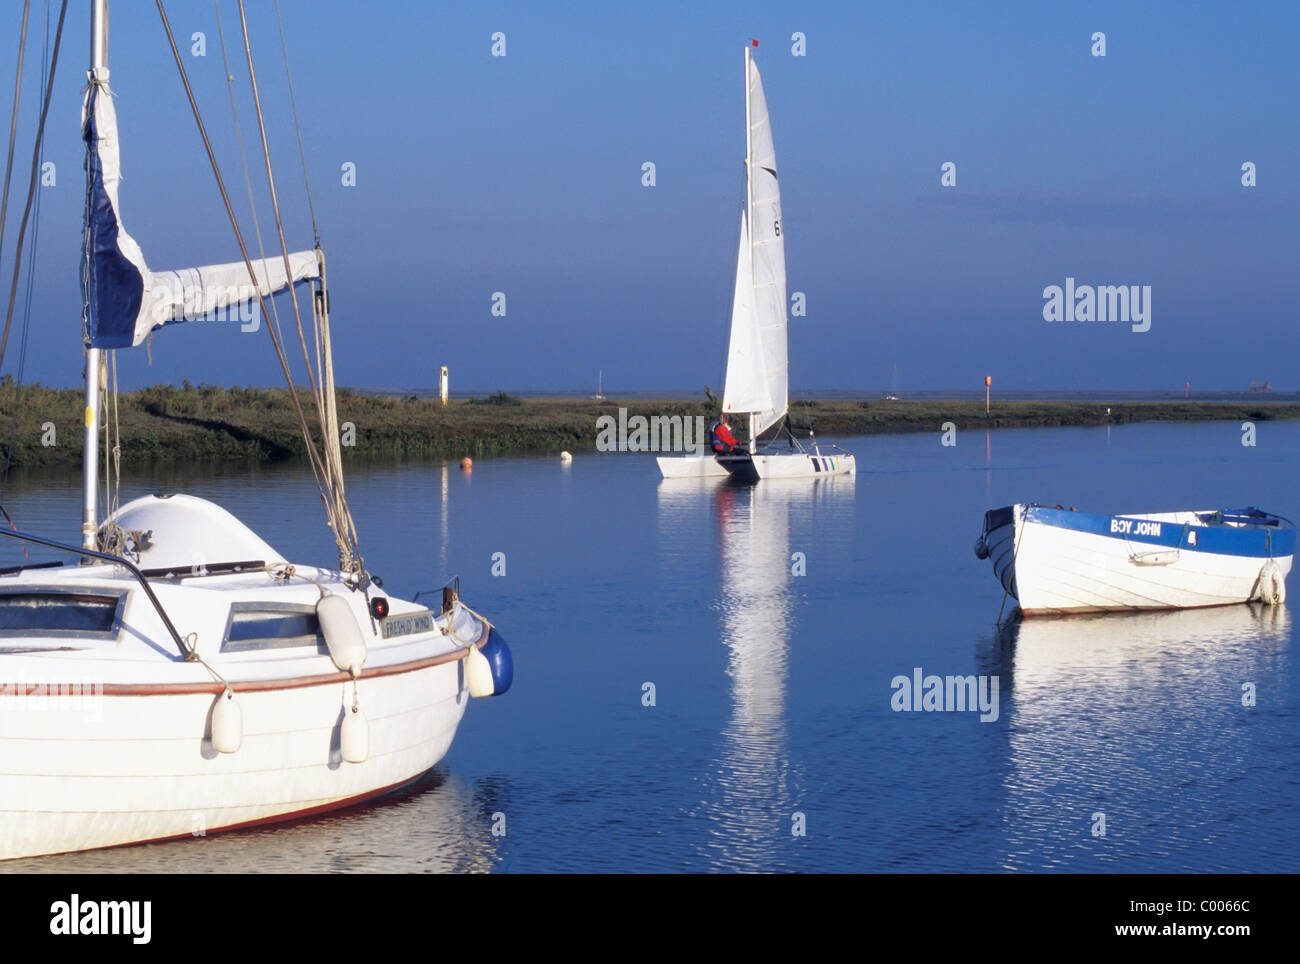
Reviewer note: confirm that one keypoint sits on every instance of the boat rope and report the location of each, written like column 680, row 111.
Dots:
column 293, row 104
column 449, row 631
column 192, row 656
column 31, row 186
column 112, row 537
column 345, row 536
column 13, row 126
column 349, row 559
column 21, row 368
column 243, row 156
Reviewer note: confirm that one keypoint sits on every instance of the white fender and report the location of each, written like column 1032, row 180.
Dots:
column 227, row 723
column 1272, row 585
column 342, row 634
column 478, row 674
column 354, row 736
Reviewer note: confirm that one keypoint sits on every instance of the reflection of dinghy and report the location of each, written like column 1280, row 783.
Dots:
column 1055, row 560
column 757, row 379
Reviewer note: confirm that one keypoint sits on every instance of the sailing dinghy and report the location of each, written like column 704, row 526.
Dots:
column 1056, row 560
column 757, row 382
column 186, row 677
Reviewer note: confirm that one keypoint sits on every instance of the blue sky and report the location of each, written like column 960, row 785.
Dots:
column 522, row 174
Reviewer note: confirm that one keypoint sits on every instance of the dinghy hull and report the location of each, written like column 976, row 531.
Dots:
column 752, row 468
column 1055, row 560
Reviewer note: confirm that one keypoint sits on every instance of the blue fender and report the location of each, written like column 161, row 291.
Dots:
column 500, row 661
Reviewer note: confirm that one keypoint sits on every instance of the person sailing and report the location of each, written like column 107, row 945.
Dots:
column 724, row 443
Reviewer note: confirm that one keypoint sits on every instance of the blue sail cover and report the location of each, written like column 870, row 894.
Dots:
column 127, row 300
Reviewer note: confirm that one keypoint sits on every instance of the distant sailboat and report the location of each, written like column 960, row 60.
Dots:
column 600, row 387
column 757, row 383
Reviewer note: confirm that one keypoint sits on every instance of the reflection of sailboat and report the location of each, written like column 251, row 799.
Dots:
column 1133, row 716
column 757, row 383
column 754, row 799
column 434, row 826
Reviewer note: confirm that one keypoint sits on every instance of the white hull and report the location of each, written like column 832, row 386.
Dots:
column 803, row 466
column 1050, row 569
column 107, row 731
column 123, row 769
column 690, row 467
column 753, row 468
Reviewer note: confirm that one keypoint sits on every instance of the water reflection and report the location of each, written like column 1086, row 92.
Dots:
column 751, row 792
column 1139, row 717
column 439, row 825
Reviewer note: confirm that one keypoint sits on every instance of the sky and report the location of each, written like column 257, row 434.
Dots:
column 522, row 174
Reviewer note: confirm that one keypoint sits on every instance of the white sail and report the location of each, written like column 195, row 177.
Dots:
column 746, row 390
column 757, row 377
column 127, row 299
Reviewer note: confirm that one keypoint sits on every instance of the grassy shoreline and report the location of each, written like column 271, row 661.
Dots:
column 166, row 424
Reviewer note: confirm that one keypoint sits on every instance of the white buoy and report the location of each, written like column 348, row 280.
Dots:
column 566, row 457
column 342, row 634
column 227, row 723
column 354, row 736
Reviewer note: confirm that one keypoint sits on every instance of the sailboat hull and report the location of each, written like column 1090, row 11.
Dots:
column 752, row 468
column 145, row 771
column 801, row 465
column 690, row 467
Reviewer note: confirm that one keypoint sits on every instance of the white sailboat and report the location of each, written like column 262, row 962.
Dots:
column 186, row 677
column 757, row 383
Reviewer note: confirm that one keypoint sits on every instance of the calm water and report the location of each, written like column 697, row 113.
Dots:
column 772, row 690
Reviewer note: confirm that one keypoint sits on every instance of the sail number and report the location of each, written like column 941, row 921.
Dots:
column 776, row 226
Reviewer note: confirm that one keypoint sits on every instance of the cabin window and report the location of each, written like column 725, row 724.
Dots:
column 60, row 613
column 257, row 626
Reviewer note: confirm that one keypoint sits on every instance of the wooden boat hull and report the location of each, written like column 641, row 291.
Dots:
column 1054, row 560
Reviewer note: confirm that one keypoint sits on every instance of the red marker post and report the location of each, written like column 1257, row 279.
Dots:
column 988, row 384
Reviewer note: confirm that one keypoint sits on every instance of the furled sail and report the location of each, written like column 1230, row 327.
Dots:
column 127, row 300
column 756, row 361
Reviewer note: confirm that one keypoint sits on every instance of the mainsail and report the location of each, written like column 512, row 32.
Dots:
column 757, row 380
column 127, row 300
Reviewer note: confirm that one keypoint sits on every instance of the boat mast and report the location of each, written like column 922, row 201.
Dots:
column 90, row 449
column 749, row 208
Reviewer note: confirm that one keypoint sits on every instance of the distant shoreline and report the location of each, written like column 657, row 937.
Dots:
column 165, row 424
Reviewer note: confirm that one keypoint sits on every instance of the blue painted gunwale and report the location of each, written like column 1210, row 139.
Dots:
column 1260, row 542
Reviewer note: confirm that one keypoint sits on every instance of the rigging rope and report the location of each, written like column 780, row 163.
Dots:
column 345, row 534
column 31, row 186
column 293, row 104
column 243, row 156
column 13, row 127
column 327, row 472
column 20, row 376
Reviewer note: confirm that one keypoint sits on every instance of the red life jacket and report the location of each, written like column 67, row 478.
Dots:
column 723, row 440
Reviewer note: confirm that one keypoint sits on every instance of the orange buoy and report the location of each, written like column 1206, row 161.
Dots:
column 466, row 463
